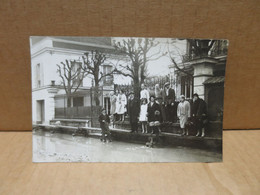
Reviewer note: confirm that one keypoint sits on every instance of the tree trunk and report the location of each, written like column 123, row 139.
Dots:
column 136, row 82
column 69, row 102
column 96, row 93
column 68, row 113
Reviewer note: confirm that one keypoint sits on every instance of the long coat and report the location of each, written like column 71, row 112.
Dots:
column 183, row 112
column 170, row 96
column 121, row 102
column 199, row 108
column 151, row 112
column 199, row 113
column 133, row 110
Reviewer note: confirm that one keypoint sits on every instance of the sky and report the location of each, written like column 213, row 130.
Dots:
column 161, row 66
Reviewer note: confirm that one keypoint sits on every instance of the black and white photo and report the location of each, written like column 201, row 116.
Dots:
column 127, row 99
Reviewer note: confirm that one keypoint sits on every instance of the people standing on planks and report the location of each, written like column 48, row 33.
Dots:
column 104, row 121
column 183, row 113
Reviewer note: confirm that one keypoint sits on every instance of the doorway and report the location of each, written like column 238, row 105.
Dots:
column 40, row 111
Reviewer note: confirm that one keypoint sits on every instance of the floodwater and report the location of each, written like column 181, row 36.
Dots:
column 58, row 147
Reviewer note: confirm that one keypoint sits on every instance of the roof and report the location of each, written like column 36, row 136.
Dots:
column 94, row 40
column 213, row 80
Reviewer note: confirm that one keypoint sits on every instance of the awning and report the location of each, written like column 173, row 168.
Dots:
column 213, row 80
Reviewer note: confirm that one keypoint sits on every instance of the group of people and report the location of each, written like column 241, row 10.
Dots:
column 192, row 114
column 160, row 106
column 154, row 108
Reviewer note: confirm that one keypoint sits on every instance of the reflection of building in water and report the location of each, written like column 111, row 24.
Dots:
column 49, row 99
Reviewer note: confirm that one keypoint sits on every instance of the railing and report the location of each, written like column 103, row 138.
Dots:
column 90, row 113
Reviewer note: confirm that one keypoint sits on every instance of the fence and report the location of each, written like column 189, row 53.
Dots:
column 83, row 106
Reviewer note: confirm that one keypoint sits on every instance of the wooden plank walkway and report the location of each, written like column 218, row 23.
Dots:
column 97, row 132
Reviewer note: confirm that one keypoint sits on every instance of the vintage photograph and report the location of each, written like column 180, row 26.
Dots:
column 127, row 99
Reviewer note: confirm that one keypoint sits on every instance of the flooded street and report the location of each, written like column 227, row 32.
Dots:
column 57, row 147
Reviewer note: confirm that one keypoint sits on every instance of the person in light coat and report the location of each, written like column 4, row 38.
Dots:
column 121, row 103
column 183, row 113
column 144, row 93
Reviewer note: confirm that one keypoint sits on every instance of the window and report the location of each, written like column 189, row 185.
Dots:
column 78, row 101
column 187, row 86
column 38, row 75
column 108, row 80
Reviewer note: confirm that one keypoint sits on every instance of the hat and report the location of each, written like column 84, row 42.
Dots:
column 182, row 96
column 151, row 97
column 195, row 94
column 166, row 84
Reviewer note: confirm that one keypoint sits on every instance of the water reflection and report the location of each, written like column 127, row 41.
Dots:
column 57, row 147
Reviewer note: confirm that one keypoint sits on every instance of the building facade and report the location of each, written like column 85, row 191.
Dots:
column 48, row 95
column 204, row 75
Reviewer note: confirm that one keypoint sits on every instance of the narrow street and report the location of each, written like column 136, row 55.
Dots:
column 58, row 147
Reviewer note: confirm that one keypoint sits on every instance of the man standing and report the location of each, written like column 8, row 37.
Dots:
column 199, row 114
column 169, row 99
column 133, row 112
column 183, row 113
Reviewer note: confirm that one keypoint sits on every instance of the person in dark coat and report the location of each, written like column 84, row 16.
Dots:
column 154, row 115
column 104, row 121
column 199, row 114
column 169, row 99
column 133, row 112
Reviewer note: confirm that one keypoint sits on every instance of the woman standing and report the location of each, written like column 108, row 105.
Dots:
column 113, row 105
column 121, row 105
column 183, row 113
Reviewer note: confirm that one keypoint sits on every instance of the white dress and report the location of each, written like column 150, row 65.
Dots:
column 121, row 104
column 183, row 112
column 143, row 113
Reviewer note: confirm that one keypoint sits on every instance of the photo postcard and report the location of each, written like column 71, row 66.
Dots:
column 127, row 99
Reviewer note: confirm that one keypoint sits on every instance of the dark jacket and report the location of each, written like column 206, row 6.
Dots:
column 151, row 112
column 133, row 109
column 199, row 108
column 105, row 118
column 170, row 98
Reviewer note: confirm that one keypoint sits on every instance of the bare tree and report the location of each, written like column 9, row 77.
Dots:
column 200, row 48
column 72, row 74
column 196, row 48
column 137, row 50
column 93, row 62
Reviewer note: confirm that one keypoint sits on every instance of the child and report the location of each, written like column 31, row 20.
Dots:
column 143, row 115
column 104, row 120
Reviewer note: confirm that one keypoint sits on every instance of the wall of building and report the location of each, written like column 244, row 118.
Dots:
column 43, row 95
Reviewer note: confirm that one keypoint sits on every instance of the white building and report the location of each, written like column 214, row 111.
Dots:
column 47, row 92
